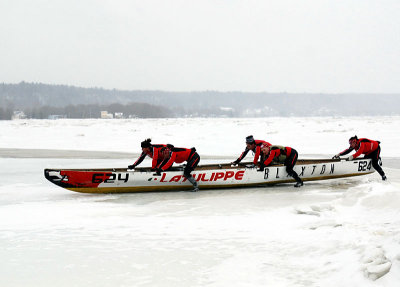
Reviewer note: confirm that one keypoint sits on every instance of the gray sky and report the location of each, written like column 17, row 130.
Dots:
column 297, row 46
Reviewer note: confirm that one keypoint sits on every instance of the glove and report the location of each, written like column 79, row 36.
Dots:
column 252, row 165
column 349, row 158
column 132, row 166
column 336, row 156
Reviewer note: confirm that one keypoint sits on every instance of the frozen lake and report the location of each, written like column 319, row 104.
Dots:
column 343, row 232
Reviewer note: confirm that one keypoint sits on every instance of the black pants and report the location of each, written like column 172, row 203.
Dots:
column 374, row 156
column 192, row 163
column 290, row 162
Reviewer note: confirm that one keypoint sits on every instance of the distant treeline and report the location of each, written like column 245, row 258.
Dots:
column 39, row 100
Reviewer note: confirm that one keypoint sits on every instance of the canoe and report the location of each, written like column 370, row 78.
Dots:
column 211, row 176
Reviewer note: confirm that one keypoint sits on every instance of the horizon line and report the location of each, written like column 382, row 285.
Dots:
column 202, row 91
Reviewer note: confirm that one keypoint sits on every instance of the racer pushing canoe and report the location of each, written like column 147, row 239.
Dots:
column 254, row 146
column 370, row 148
column 164, row 156
column 179, row 155
column 280, row 154
column 153, row 151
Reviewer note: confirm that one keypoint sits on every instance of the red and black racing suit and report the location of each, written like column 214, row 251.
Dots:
column 256, row 150
column 286, row 155
column 155, row 154
column 180, row 155
column 371, row 149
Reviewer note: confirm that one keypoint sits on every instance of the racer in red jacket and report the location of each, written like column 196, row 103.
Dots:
column 280, row 154
column 180, row 155
column 253, row 145
column 153, row 151
column 371, row 149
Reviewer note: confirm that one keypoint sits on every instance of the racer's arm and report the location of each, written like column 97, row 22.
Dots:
column 360, row 150
column 346, row 151
column 257, row 155
column 169, row 162
column 242, row 156
column 155, row 157
column 167, row 156
column 139, row 160
column 271, row 156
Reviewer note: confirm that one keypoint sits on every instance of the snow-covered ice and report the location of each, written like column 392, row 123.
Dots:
column 343, row 232
column 222, row 136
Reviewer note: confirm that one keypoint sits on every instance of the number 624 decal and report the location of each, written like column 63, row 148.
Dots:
column 363, row 165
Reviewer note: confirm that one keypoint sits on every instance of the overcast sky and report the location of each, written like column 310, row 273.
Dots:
column 329, row 46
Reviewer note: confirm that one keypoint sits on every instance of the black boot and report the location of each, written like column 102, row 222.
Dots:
column 297, row 178
column 194, row 182
column 298, row 184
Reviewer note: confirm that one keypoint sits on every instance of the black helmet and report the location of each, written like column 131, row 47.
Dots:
column 250, row 139
column 353, row 138
column 146, row 143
